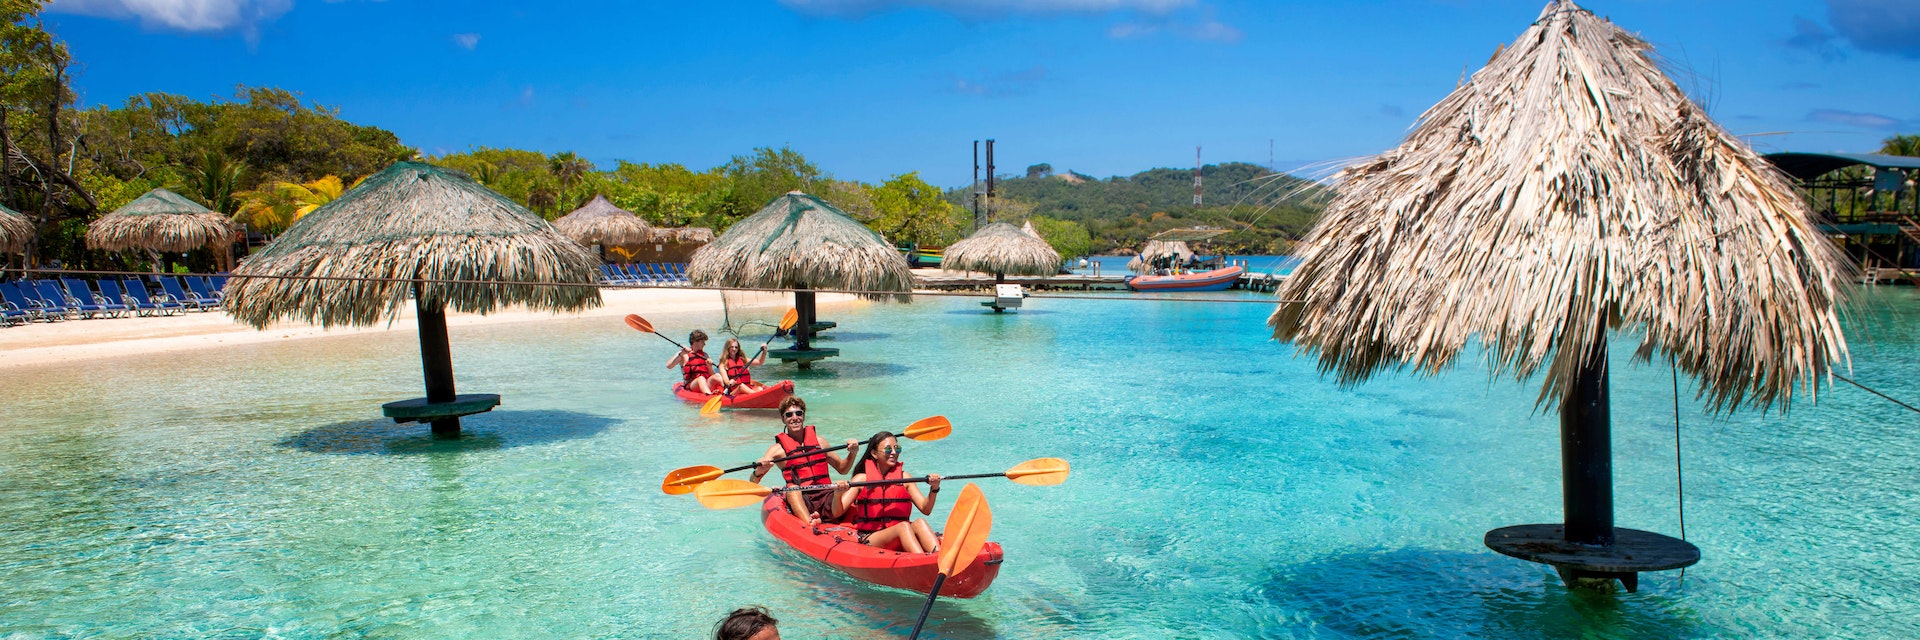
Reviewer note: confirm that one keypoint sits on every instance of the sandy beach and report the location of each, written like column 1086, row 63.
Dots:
column 41, row 343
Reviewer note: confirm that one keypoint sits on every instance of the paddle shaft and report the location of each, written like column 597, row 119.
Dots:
column 664, row 337
column 872, row 483
column 796, row 456
column 934, row 594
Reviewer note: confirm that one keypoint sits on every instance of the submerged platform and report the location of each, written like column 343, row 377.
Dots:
column 1633, row 551
column 419, row 410
column 803, row 356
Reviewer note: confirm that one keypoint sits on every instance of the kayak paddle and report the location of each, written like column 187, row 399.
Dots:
column 730, row 494
column 712, row 405
column 634, row 320
column 966, row 533
column 683, row 480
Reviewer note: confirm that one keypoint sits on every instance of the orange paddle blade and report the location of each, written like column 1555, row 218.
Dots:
column 730, row 494
column 634, row 320
column 929, row 428
column 966, row 531
column 712, row 406
column 1040, row 472
column 682, row 481
column 790, row 318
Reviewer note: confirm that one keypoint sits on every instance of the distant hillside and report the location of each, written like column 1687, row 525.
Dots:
column 1266, row 210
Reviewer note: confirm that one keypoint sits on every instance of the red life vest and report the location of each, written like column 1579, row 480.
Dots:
column 696, row 366
column 737, row 371
column 805, row 471
column 879, row 507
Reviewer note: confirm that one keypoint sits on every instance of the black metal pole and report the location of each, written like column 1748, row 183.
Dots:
column 1586, row 456
column 803, row 332
column 975, row 189
column 436, row 359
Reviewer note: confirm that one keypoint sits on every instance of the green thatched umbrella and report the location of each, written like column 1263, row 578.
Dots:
column 800, row 242
column 1002, row 249
column 416, row 229
column 600, row 222
column 160, row 221
column 1569, row 189
column 15, row 231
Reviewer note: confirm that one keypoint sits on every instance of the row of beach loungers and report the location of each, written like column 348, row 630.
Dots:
column 23, row 301
column 653, row 274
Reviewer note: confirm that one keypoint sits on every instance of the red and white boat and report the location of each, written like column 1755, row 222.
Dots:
column 1216, row 280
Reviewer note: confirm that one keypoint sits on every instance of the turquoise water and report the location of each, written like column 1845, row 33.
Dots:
column 1221, row 489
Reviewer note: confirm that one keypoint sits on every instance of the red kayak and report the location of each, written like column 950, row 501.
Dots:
column 768, row 398
column 838, row 546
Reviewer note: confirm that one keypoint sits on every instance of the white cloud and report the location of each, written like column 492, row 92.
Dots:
column 1206, row 28
column 468, row 41
column 983, row 8
column 182, row 15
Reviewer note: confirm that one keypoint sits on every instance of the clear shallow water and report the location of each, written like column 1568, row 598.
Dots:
column 1221, row 488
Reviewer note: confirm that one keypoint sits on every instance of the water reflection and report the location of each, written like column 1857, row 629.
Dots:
column 843, row 370
column 479, row 432
column 862, row 610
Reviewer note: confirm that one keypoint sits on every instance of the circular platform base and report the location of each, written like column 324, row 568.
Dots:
column 803, row 356
column 419, row 410
column 1633, row 551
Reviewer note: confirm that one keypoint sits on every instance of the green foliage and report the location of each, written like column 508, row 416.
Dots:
column 213, row 180
column 280, row 138
column 1070, row 239
column 768, row 173
column 912, row 211
column 1901, row 145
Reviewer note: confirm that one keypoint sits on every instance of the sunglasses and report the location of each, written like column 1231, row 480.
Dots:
column 889, row 449
column 794, row 414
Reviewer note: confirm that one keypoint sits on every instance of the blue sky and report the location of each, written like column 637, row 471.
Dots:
column 872, row 88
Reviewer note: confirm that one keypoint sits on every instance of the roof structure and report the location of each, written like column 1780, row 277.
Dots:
column 159, row 220
column 1807, row 166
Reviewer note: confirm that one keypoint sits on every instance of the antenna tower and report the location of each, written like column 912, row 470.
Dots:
column 1196, row 177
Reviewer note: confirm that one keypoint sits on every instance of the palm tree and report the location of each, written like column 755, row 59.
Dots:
column 272, row 209
column 1901, row 145
column 214, row 181
column 568, row 167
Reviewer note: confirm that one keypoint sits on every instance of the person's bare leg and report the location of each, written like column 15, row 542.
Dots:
column 897, row 533
column 924, row 532
column 797, row 504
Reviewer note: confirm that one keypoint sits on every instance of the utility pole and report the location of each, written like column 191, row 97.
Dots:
column 1269, row 155
column 990, row 190
column 1196, row 177
column 975, row 189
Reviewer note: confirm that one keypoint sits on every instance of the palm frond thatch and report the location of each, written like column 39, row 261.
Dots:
column 412, row 221
column 1002, row 248
column 1028, row 228
column 600, row 222
column 1570, row 187
column 1156, row 249
column 15, row 230
column 799, row 240
column 160, row 220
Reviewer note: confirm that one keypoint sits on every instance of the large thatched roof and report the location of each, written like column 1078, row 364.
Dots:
column 799, row 240
column 1002, row 248
column 1567, row 188
column 602, row 223
column 161, row 220
column 412, row 220
column 15, row 230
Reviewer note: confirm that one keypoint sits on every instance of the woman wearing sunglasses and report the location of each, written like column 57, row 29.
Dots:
column 798, row 438
column 883, row 514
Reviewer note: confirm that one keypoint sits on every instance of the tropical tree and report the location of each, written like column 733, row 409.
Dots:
column 275, row 207
column 910, row 210
column 1901, row 145
column 568, row 168
column 214, row 180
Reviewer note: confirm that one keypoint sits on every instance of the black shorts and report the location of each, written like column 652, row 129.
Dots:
column 820, row 503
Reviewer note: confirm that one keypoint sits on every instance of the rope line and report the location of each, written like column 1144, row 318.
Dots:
column 1877, row 393
column 1679, row 470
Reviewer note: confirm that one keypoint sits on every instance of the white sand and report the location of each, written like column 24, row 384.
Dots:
column 41, row 343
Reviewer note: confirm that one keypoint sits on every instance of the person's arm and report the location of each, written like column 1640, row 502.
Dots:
column 845, row 465
column 765, row 463
column 924, row 502
column 759, row 358
column 843, row 494
column 677, row 359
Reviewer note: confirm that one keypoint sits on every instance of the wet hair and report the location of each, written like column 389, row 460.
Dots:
column 733, row 346
column 873, row 444
column 743, row 623
column 792, row 401
column 696, row 336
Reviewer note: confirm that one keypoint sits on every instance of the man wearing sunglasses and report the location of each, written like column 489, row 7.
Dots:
column 797, row 438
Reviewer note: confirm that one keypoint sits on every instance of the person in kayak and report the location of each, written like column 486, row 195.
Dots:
column 696, row 369
column 736, row 366
column 883, row 514
column 798, row 438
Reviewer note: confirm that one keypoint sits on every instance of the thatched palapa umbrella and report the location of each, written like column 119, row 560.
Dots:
column 1567, row 189
column 161, row 221
column 416, row 229
column 600, row 222
column 1002, row 249
column 798, row 241
column 15, row 230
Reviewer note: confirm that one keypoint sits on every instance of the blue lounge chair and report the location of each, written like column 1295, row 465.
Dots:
column 202, row 289
column 91, row 303
column 153, row 303
column 606, row 275
column 620, row 274
column 110, row 289
column 219, row 282
column 15, row 307
column 654, row 274
column 635, row 275
column 172, row 287
column 680, row 272
column 53, row 302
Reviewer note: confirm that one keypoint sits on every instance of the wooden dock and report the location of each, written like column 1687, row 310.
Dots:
column 935, row 280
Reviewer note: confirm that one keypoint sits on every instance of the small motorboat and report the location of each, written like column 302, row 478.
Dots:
column 1216, row 280
column 839, row 546
column 768, row 398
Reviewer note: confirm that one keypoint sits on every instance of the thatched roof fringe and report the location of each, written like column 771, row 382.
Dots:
column 799, row 240
column 600, row 222
column 160, row 220
column 1004, row 249
column 15, row 230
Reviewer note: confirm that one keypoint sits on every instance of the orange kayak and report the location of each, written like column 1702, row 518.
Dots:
column 768, row 398
column 838, row 546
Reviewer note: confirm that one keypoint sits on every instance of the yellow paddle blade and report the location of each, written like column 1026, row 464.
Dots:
column 790, row 318
column 730, row 494
column 712, row 406
column 634, row 320
column 682, row 481
column 929, row 428
column 966, row 531
column 1039, row 472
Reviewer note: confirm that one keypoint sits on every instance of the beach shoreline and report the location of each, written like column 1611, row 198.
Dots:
column 42, row 344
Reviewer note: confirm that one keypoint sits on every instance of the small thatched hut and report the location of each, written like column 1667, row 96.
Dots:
column 1002, row 249
column 1157, row 249
column 162, row 221
column 600, row 222
column 1569, row 189
column 420, row 231
column 15, row 231
column 798, row 241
